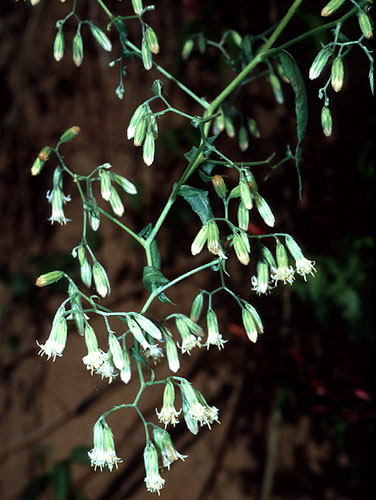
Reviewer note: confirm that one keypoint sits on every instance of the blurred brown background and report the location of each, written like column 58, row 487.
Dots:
column 295, row 409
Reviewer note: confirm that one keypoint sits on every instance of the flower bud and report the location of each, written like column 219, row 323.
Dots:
column 148, row 326
column 245, row 194
column 140, row 131
column 172, row 354
column 70, row 134
column 229, row 126
column 166, row 447
column 237, row 39
column 249, row 325
column 256, row 317
column 147, row 58
column 116, row 203
column 197, row 306
column 157, row 87
column 365, row 24
column 331, row 7
column 253, row 128
column 219, row 122
column 40, row 160
column 101, row 280
column 116, row 351
column 213, row 241
column 201, row 42
column 47, row 279
column 137, row 332
column 101, row 37
column 187, row 49
column 124, row 183
column 137, row 115
column 200, row 240
column 319, row 63
column 86, row 273
column 151, row 39
column 80, row 254
column 276, row 87
column 326, row 121
column 78, row 49
column 219, row 186
column 126, row 372
column 149, row 148
column 267, row 255
column 243, row 139
column 59, row 45
column 370, row 78
column 243, row 217
column 337, row 74
column 105, row 179
column 264, row 209
column 240, row 249
column 137, row 6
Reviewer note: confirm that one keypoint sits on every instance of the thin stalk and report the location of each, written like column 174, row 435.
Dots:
column 139, row 240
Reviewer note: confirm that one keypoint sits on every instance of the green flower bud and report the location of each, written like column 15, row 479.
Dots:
column 151, row 39
column 245, row 194
column 240, row 249
column 47, row 279
column 157, row 87
column 146, row 55
column 235, row 192
column 200, row 240
column 253, row 128
column 137, row 115
column 44, row 153
column 126, row 372
column 256, row 317
column 201, row 42
column 281, row 254
column 101, row 280
column 243, row 217
column 137, row 332
column 219, row 122
column 140, row 131
column 243, row 139
column 116, row 203
column 213, row 241
column 70, row 134
column 267, row 255
column 370, row 78
column 76, row 308
column 365, row 24
column 40, row 161
column 249, row 325
column 80, row 254
column 148, row 326
column 237, row 39
column 101, row 37
column 319, row 63
column 149, row 148
column 105, row 179
column 137, row 6
column 86, row 273
column 277, row 89
column 172, row 354
column 229, row 126
column 331, row 7
column 197, row 306
column 264, row 209
column 78, row 49
column 326, row 121
column 116, row 351
column 337, row 74
column 187, row 49
column 124, row 183
column 219, row 186
column 59, row 45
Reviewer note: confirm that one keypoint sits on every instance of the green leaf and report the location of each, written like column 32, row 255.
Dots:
column 199, row 201
column 155, row 255
column 153, row 279
column 205, row 170
column 61, row 480
column 135, row 353
column 192, row 153
column 293, row 73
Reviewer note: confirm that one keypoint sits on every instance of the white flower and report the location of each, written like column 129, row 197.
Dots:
column 94, row 360
column 154, row 352
column 215, row 338
column 168, row 415
column 56, row 198
column 304, row 267
column 107, row 369
column 103, row 454
column 283, row 273
column 189, row 342
column 51, row 349
column 260, row 286
column 57, row 339
column 154, row 482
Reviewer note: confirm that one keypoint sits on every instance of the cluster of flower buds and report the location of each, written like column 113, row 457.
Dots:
column 103, row 454
column 225, row 121
column 143, row 129
column 276, row 87
column 96, row 272
column 109, row 192
column 77, row 49
column 209, row 234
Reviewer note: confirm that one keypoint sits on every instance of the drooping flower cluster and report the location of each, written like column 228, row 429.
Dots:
column 103, row 454
column 57, row 339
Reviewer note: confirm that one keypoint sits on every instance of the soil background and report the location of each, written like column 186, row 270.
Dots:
column 296, row 409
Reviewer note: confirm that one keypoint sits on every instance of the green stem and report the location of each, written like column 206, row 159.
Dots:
column 139, row 240
column 176, row 280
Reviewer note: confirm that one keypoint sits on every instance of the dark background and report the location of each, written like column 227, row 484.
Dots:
column 295, row 408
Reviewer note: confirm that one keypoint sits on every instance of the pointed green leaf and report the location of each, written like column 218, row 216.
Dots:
column 199, row 201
